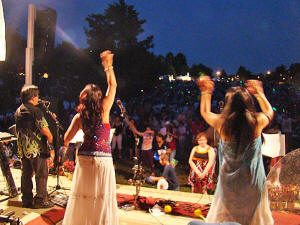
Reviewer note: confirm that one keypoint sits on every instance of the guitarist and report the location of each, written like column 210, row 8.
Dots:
column 31, row 128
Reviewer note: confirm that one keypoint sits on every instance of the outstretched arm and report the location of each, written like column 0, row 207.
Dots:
column 207, row 86
column 255, row 87
column 134, row 130
column 108, row 100
column 72, row 130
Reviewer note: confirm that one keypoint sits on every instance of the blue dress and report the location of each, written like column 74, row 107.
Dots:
column 241, row 195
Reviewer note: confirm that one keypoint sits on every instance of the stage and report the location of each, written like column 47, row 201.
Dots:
column 131, row 217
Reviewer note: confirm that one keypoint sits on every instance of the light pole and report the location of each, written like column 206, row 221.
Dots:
column 2, row 34
column 30, row 44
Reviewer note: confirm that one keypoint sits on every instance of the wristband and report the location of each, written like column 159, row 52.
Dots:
column 107, row 68
column 64, row 148
column 206, row 92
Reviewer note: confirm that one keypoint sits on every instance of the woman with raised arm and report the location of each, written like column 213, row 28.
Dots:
column 241, row 195
column 146, row 149
column 93, row 193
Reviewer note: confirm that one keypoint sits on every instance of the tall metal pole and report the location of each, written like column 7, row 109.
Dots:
column 2, row 35
column 30, row 44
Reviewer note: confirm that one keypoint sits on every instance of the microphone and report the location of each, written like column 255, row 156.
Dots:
column 221, row 105
column 44, row 103
column 119, row 102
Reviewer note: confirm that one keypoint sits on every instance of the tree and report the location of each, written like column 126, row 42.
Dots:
column 295, row 73
column 118, row 29
column 280, row 73
column 180, row 64
column 11, row 69
column 199, row 69
column 244, row 74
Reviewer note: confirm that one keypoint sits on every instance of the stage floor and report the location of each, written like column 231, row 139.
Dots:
column 133, row 217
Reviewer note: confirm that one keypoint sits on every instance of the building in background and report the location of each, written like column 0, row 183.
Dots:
column 45, row 26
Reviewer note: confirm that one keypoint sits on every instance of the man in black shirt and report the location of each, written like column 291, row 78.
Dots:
column 32, row 136
column 168, row 180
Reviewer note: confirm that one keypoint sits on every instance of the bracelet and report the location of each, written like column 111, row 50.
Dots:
column 64, row 148
column 107, row 68
column 206, row 92
column 259, row 95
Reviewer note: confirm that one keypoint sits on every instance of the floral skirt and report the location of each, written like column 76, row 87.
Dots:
column 93, row 193
column 206, row 182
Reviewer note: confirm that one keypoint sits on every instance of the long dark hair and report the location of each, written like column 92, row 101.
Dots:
column 90, row 107
column 239, row 120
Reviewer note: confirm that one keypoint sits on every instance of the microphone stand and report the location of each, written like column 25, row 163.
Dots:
column 57, row 147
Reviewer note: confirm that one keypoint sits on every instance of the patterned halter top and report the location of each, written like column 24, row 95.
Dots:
column 98, row 144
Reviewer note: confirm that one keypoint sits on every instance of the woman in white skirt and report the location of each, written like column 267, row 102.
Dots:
column 93, row 193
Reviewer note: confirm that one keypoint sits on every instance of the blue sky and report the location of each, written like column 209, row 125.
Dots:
column 259, row 35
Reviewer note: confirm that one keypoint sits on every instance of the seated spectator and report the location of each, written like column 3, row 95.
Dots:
column 168, row 180
column 159, row 147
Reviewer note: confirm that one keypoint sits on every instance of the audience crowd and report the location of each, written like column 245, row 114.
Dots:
column 170, row 109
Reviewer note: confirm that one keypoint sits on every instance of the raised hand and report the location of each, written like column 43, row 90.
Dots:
column 106, row 59
column 205, row 84
column 105, row 53
column 255, row 87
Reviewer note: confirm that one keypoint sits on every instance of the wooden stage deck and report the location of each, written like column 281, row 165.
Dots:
column 133, row 217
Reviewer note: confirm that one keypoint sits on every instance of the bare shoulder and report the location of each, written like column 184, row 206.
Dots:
column 77, row 119
column 211, row 149
column 263, row 119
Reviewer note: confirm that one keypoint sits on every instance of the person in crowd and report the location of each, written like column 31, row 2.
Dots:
column 155, row 123
column 117, row 138
column 196, row 127
column 171, row 140
column 130, row 138
column 146, row 149
column 32, row 136
column 181, row 139
column 93, row 193
column 168, row 179
column 241, row 195
column 160, row 147
column 202, row 160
